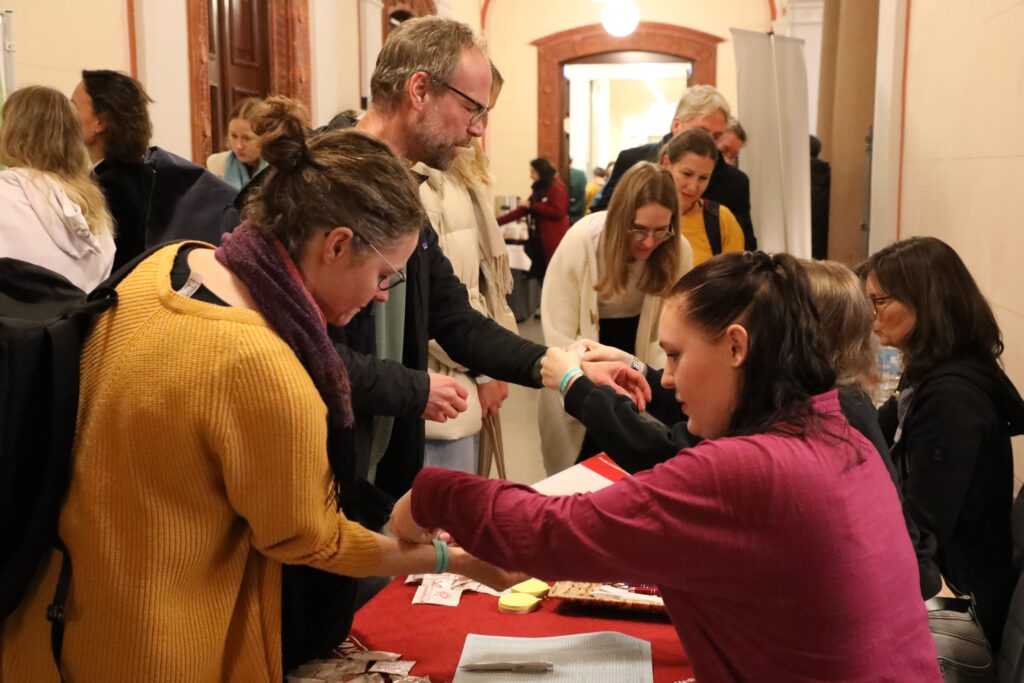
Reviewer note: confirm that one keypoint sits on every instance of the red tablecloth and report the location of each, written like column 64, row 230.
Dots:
column 433, row 635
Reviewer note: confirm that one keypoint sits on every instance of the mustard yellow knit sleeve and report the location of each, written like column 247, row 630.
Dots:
column 270, row 437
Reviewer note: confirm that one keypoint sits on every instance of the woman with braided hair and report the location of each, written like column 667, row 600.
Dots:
column 777, row 542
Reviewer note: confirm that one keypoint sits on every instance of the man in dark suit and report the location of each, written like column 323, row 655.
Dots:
column 701, row 106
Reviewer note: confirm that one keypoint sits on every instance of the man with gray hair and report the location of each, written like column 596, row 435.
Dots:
column 430, row 94
column 701, row 106
column 732, row 141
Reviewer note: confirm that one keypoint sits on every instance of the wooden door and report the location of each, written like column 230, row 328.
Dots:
column 239, row 58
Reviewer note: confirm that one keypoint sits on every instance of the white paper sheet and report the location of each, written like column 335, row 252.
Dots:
column 603, row 657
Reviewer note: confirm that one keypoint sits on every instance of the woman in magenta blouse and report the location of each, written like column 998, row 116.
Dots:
column 778, row 542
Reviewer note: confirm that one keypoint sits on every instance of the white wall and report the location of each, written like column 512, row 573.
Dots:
column 803, row 19
column 513, row 24
column 334, row 41
column 963, row 150
column 56, row 39
column 629, row 115
column 162, row 48
column 888, row 119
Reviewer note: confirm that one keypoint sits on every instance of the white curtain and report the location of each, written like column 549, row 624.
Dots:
column 772, row 102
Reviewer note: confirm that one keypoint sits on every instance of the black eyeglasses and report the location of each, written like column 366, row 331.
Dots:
column 481, row 111
column 877, row 301
column 384, row 282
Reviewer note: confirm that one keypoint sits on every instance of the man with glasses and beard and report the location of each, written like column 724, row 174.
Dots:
column 428, row 91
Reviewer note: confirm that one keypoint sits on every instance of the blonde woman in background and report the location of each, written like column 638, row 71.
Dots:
column 846, row 317
column 242, row 160
column 606, row 282
column 53, row 212
column 459, row 204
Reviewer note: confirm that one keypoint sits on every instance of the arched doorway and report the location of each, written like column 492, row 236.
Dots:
column 555, row 50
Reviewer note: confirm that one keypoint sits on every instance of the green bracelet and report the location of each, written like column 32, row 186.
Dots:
column 440, row 556
column 567, row 377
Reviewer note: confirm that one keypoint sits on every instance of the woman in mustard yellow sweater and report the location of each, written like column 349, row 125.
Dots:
column 709, row 227
column 211, row 404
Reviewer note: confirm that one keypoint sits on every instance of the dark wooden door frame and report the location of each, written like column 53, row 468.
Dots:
column 288, row 24
column 417, row 8
column 555, row 50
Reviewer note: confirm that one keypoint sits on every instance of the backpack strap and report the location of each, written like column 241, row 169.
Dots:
column 712, row 226
column 64, row 344
column 55, row 611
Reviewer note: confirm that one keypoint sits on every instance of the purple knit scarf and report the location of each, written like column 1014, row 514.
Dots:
column 273, row 280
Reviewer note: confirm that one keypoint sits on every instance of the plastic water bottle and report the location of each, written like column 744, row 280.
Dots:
column 890, row 367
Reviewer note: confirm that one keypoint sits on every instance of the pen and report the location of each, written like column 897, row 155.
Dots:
column 525, row 667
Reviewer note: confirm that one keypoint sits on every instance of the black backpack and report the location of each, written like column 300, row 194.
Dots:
column 44, row 320
column 712, row 228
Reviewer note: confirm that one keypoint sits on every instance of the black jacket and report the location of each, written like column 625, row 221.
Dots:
column 955, row 465
column 164, row 198
column 821, row 193
column 728, row 185
column 635, row 441
column 437, row 307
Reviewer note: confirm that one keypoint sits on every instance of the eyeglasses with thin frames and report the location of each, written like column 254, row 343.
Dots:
column 396, row 277
column 877, row 301
column 481, row 111
column 384, row 282
column 638, row 234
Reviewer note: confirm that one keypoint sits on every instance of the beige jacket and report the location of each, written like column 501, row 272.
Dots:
column 462, row 216
column 569, row 312
column 215, row 163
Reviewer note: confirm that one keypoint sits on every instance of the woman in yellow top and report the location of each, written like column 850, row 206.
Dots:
column 709, row 226
column 211, row 445
column 606, row 282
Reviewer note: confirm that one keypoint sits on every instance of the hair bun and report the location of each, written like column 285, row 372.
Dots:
column 281, row 125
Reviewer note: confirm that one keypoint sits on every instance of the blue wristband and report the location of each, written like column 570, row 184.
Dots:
column 440, row 556
column 567, row 377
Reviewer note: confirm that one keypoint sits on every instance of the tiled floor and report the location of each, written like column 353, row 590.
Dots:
column 519, row 423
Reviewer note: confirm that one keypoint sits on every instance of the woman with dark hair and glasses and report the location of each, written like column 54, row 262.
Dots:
column 951, row 419
column 606, row 282
column 547, row 207
column 710, row 227
column 777, row 542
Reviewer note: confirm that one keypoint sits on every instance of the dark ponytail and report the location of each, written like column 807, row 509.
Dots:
column 787, row 357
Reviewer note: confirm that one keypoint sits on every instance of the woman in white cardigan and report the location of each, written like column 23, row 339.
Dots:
column 53, row 212
column 606, row 282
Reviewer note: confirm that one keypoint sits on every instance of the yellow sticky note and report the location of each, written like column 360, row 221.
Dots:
column 534, row 587
column 518, row 603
